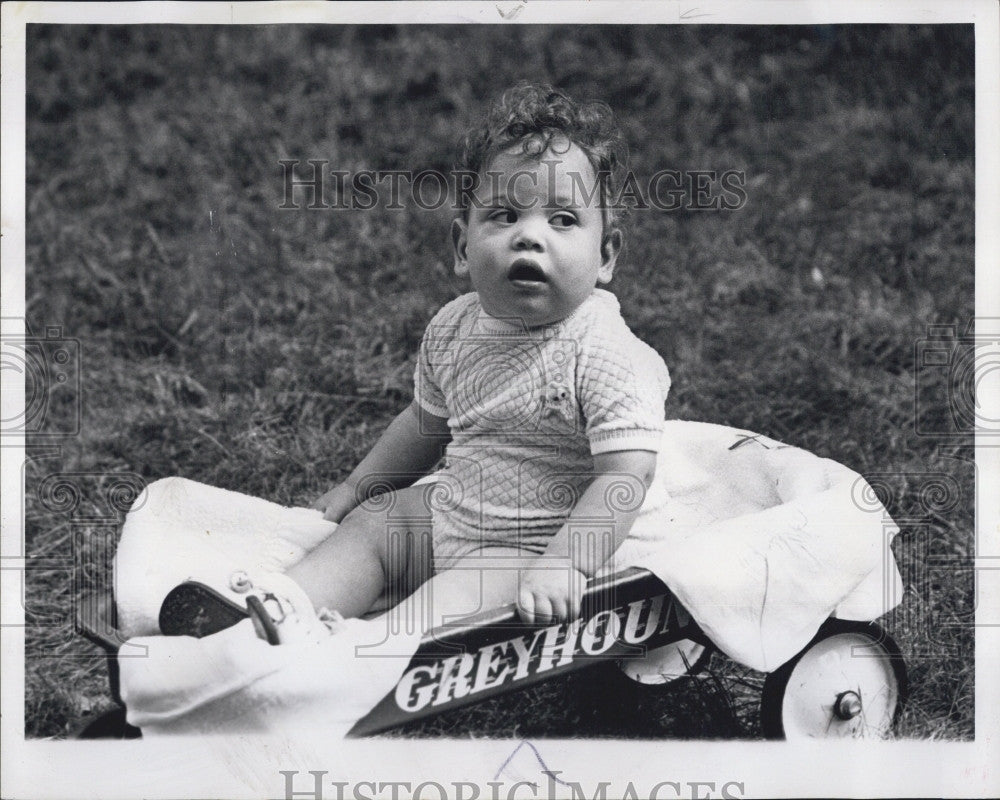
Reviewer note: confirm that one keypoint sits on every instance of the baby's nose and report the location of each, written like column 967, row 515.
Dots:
column 528, row 236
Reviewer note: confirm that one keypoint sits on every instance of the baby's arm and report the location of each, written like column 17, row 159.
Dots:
column 554, row 588
column 409, row 448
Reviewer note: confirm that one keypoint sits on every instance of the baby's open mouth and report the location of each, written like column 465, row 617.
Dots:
column 524, row 269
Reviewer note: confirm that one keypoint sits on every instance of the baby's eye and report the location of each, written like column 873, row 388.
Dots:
column 505, row 215
column 563, row 219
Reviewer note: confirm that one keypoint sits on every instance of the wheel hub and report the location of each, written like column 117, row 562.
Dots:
column 847, row 705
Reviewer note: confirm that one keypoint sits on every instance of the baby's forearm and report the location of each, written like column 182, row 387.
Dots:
column 407, row 450
column 603, row 516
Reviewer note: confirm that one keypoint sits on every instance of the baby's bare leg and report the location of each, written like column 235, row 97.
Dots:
column 384, row 542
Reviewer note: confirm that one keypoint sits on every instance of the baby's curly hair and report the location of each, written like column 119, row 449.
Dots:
column 536, row 114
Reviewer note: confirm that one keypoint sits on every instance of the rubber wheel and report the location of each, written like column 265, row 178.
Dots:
column 848, row 682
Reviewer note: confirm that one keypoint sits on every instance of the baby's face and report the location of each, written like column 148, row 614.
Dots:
column 533, row 248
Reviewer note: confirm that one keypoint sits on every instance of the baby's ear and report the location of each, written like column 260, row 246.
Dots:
column 611, row 247
column 459, row 241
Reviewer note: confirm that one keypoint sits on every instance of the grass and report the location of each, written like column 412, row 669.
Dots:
column 263, row 350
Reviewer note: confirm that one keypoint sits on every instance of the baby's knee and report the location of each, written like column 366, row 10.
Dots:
column 388, row 518
column 367, row 519
column 409, row 503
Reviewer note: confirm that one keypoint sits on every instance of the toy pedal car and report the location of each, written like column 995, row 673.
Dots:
column 849, row 681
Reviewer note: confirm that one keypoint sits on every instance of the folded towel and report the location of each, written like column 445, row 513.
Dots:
column 233, row 682
column 761, row 542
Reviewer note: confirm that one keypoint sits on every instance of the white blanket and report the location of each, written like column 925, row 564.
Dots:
column 759, row 541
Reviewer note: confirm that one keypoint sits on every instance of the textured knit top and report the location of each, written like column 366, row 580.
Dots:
column 528, row 408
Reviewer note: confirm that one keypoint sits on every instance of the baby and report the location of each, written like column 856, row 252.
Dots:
column 547, row 408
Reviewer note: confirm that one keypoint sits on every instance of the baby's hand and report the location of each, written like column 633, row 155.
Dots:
column 551, row 591
column 336, row 503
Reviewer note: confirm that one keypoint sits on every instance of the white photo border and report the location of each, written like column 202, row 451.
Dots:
column 246, row 767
